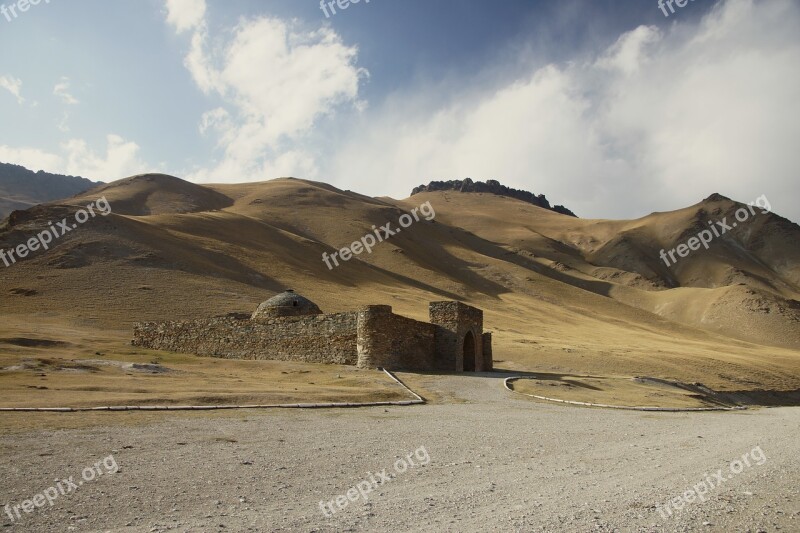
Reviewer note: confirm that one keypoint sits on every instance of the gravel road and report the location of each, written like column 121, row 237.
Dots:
column 486, row 460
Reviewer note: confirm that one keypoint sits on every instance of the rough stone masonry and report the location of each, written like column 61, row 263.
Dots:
column 289, row 327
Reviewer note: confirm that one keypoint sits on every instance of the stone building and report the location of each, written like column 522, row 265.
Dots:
column 289, row 327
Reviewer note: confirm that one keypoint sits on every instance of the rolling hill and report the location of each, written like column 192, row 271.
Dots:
column 562, row 294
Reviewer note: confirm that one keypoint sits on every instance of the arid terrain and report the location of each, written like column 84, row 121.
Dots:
column 389, row 266
column 584, row 309
column 497, row 462
column 561, row 294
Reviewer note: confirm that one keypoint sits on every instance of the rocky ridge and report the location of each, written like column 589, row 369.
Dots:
column 493, row 187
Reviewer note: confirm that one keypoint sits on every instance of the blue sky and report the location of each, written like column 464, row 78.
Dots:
column 608, row 107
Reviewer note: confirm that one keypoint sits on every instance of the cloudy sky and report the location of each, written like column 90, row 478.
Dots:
column 605, row 106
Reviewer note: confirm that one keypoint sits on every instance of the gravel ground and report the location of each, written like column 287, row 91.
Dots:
column 495, row 461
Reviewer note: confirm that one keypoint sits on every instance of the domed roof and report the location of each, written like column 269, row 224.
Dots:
column 287, row 303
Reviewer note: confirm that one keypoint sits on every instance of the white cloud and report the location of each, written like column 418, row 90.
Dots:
column 276, row 81
column 656, row 121
column 61, row 90
column 630, row 51
column 30, row 158
column 119, row 161
column 185, row 14
column 77, row 158
column 12, row 85
column 63, row 124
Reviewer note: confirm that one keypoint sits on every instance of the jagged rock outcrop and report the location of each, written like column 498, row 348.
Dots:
column 494, row 187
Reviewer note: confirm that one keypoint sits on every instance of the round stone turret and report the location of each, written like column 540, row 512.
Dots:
column 287, row 303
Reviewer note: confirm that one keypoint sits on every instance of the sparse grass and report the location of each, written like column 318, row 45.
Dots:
column 556, row 314
column 87, row 383
column 495, row 253
column 57, row 369
column 609, row 390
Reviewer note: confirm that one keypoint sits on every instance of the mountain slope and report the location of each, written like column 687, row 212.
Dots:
column 745, row 285
column 560, row 293
column 21, row 188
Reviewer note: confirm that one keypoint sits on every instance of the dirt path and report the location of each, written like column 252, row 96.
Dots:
column 495, row 462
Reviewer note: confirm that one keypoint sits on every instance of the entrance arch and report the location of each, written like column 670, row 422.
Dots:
column 470, row 353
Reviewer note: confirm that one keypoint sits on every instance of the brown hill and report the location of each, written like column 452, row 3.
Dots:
column 745, row 285
column 21, row 188
column 158, row 194
column 560, row 293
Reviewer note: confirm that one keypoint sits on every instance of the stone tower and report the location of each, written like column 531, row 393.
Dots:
column 461, row 344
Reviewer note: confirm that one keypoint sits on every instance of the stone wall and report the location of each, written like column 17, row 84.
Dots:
column 314, row 339
column 454, row 320
column 393, row 341
column 370, row 338
column 488, row 361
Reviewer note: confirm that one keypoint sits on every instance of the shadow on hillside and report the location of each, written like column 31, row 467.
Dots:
column 439, row 257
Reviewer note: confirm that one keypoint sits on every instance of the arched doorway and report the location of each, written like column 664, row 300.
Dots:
column 469, row 352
